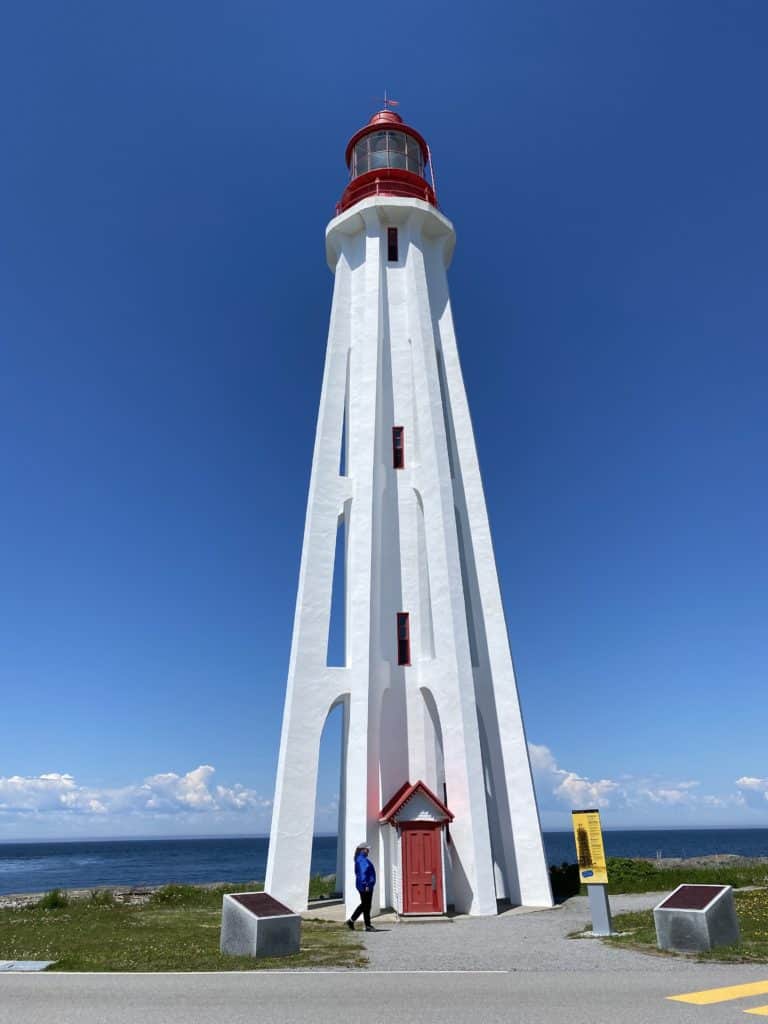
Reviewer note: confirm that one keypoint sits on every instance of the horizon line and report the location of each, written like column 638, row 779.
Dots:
column 141, row 838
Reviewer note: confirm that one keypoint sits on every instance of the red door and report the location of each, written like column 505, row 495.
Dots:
column 422, row 869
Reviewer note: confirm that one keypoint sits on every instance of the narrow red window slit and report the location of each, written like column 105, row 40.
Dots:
column 392, row 245
column 398, row 447
column 403, row 639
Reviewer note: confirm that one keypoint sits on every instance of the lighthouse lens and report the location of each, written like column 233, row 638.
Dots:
column 360, row 165
column 414, row 156
column 380, row 150
column 396, row 147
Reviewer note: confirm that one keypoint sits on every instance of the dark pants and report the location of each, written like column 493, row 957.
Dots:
column 364, row 908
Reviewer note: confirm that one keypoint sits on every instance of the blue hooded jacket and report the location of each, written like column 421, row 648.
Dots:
column 365, row 873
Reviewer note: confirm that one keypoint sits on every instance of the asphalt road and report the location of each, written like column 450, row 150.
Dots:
column 529, row 997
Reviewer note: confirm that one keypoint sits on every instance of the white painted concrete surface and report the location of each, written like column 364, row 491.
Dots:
column 416, row 540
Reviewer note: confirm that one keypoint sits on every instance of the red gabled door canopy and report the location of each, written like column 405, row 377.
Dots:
column 394, row 805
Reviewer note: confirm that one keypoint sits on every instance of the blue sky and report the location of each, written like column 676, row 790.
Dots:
column 168, row 170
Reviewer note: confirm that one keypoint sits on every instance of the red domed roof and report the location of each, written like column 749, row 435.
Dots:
column 387, row 116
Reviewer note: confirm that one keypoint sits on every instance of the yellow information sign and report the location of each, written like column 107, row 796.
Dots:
column 589, row 847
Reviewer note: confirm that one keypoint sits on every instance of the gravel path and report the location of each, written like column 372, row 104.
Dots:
column 515, row 941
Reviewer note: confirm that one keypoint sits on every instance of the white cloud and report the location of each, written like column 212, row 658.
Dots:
column 167, row 794
column 576, row 790
column 672, row 795
column 751, row 783
column 51, row 791
column 638, row 800
column 195, row 802
column 568, row 786
column 730, row 800
column 753, row 791
column 642, row 798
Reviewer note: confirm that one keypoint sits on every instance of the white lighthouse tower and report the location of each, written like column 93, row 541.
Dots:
column 435, row 769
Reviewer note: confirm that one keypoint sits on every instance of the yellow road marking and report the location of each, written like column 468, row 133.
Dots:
column 759, row 1011
column 722, row 995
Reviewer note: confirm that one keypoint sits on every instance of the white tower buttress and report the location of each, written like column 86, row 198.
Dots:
column 436, row 775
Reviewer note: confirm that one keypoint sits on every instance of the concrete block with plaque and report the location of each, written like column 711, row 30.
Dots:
column 256, row 924
column 697, row 918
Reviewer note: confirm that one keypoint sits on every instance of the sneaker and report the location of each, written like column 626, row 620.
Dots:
column 370, row 928
column 351, row 925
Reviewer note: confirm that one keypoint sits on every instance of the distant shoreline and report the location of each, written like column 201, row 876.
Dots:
column 132, row 894
column 29, row 841
column 77, row 864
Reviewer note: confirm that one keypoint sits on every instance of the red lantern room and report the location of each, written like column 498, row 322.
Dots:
column 386, row 158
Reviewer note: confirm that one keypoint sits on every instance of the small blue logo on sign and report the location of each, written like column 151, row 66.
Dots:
column 587, row 874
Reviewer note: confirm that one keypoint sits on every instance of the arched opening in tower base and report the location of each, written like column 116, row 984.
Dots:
column 492, row 808
column 434, row 759
column 330, row 797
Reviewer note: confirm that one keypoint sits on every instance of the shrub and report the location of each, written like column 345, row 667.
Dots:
column 176, row 895
column 102, row 898
column 322, row 886
column 53, row 900
column 628, row 875
column 198, row 895
column 565, row 880
column 625, row 874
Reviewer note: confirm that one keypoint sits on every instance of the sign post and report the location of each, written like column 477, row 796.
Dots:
column 593, row 871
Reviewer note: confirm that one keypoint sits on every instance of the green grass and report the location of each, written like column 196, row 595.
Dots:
column 178, row 930
column 321, row 886
column 752, row 910
column 627, row 875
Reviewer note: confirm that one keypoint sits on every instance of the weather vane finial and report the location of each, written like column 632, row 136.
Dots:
column 388, row 102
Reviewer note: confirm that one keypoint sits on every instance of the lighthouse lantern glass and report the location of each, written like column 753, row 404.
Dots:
column 387, row 149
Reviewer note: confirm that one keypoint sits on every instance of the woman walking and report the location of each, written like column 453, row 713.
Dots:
column 365, row 879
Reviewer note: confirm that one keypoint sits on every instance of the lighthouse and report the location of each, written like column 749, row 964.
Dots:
column 435, row 773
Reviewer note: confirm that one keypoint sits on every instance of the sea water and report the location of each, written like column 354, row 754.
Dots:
column 39, row 867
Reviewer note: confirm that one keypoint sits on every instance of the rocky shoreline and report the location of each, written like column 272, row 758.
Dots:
column 128, row 895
